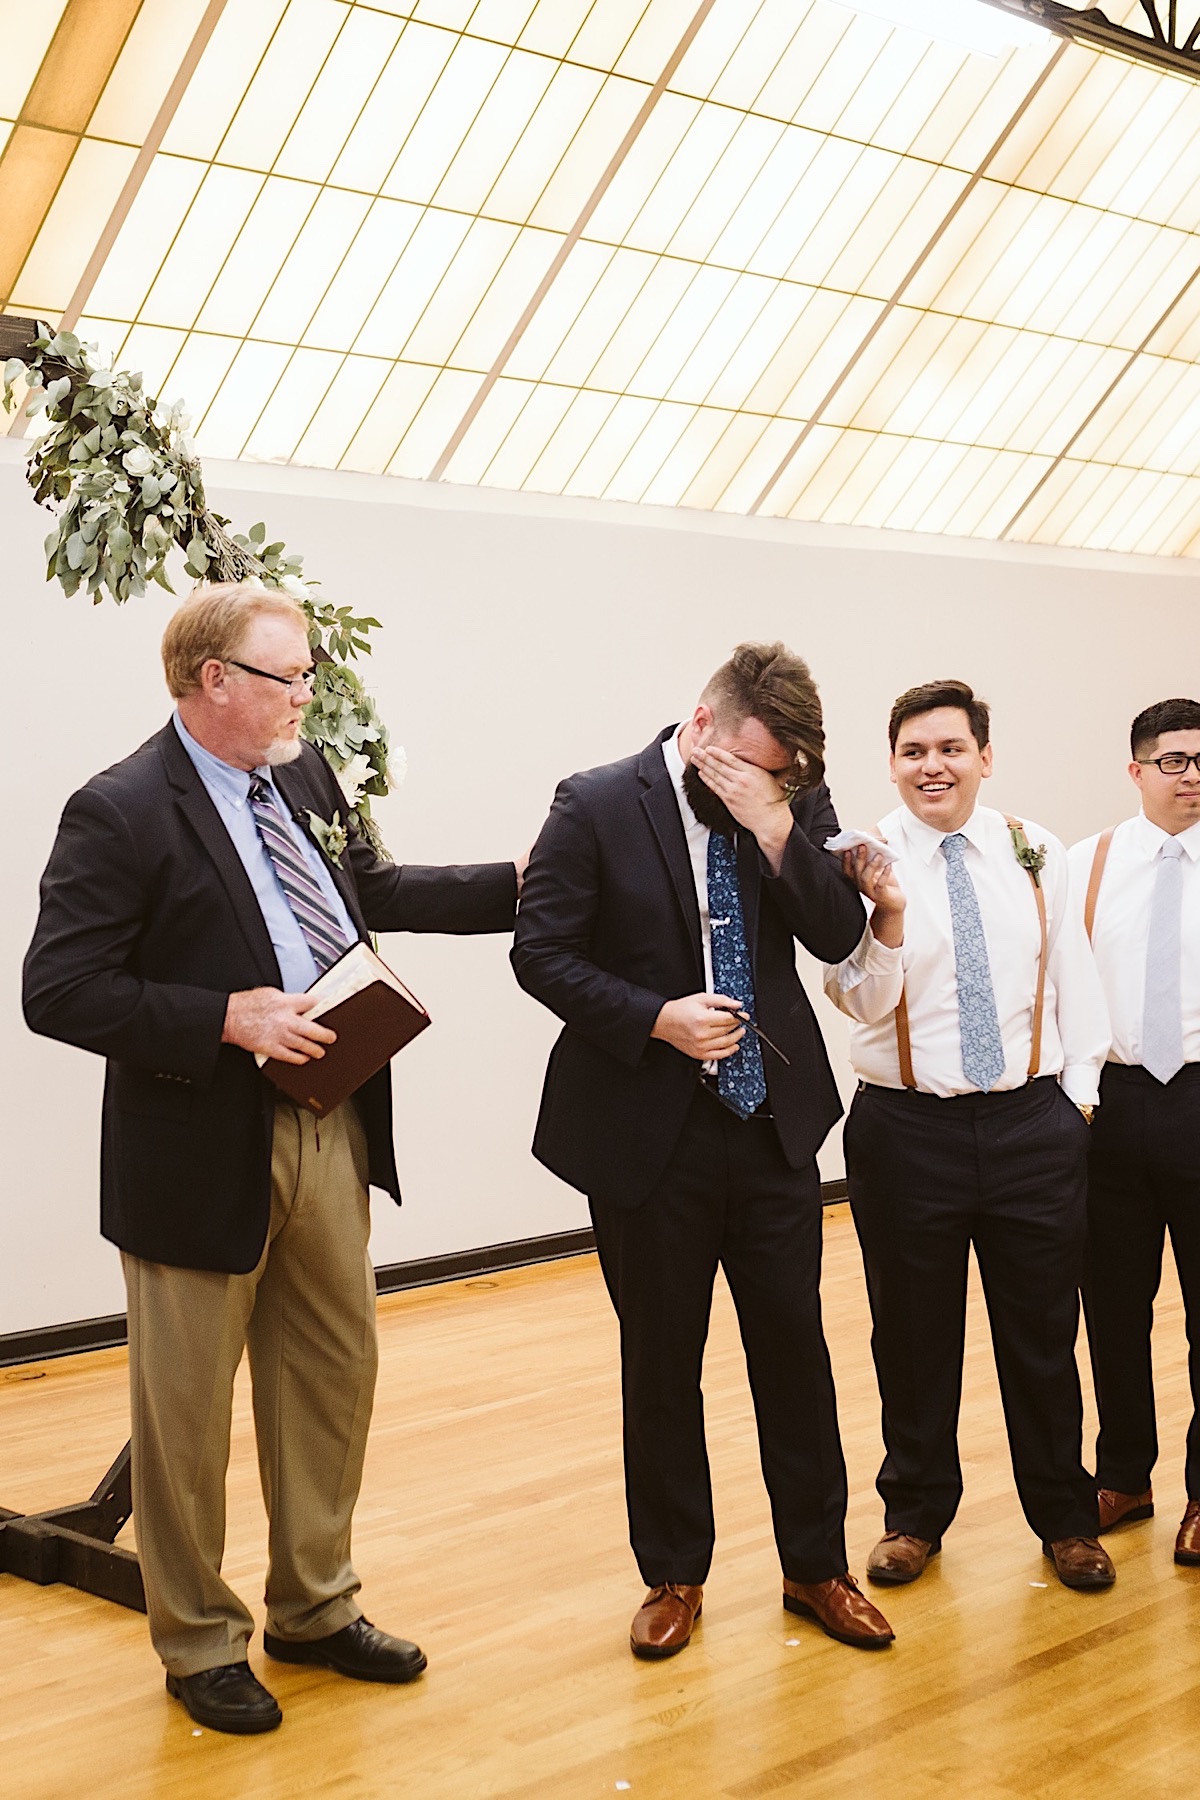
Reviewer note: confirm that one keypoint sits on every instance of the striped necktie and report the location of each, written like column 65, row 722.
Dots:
column 314, row 915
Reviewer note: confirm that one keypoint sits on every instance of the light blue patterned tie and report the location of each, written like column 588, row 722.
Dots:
column 741, row 1083
column 1162, row 1011
column 979, row 1028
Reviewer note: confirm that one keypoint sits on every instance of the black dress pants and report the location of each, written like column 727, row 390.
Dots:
column 927, row 1179
column 1143, row 1180
column 728, row 1197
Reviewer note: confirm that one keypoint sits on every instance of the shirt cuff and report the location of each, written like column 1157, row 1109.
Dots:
column 1081, row 1083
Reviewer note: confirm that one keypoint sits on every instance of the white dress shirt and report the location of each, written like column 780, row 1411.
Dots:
column 867, row 985
column 697, row 836
column 1122, row 924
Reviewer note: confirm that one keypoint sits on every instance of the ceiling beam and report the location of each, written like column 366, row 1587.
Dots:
column 1167, row 47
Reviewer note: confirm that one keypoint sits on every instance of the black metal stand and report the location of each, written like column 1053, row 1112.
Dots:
column 75, row 1544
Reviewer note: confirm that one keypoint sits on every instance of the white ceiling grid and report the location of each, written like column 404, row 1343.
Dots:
column 842, row 271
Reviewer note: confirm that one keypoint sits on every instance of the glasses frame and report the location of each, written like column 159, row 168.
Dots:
column 1156, row 762
column 294, row 684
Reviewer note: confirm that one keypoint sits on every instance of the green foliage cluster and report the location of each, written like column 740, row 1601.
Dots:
column 122, row 477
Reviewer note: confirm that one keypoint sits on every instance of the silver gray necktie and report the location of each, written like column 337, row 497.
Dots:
column 1162, row 1013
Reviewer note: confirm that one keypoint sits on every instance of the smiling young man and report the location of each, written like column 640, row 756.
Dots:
column 979, row 1030
column 185, row 909
column 1139, row 887
column 663, row 904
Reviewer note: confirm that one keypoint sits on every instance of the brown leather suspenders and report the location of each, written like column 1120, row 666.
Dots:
column 1103, row 843
column 904, row 1036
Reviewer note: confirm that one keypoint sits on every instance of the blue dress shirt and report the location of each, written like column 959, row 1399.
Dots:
column 229, row 790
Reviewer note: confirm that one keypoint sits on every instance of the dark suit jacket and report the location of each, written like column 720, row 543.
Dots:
column 148, row 922
column 609, row 929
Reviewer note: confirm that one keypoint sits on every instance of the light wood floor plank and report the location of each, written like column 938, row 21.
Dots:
column 492, row 1529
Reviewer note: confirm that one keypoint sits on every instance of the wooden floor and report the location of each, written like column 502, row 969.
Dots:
column 492, row 1529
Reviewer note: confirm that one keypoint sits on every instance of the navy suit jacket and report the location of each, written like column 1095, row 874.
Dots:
column 609, row 929
column 148, row 923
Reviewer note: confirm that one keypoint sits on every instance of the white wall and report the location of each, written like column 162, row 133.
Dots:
column 524, row 639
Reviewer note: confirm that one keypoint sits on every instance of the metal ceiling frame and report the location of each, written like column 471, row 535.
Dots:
column 1166, row 45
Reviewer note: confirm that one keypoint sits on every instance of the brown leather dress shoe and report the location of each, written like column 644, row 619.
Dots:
column 1081, row 1562
column 662, row 1625
column 1123, row 1509
column 841, row 1610
column 898, row 1558
column 1187, row 1543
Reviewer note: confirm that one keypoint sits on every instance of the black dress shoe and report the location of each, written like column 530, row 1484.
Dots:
column 358, row 1650
column 230, row 1698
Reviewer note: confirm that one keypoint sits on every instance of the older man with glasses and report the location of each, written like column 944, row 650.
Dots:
column 185, row 910
column 1139, row 887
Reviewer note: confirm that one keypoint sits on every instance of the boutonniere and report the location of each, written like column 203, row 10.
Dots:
column 1026, row 855
column 331, row 834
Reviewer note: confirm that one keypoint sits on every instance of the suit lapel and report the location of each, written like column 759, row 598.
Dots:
column 662, row 809
column 191, row 796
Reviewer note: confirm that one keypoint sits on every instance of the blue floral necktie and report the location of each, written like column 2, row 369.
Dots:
column 741, row 1083
column 979, row 1028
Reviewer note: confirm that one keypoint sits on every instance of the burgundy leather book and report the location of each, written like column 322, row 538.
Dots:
column 374, row 1015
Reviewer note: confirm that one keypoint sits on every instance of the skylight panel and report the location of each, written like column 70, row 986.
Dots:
column 562, row 315
column 827, row 334
column 271, row 229
column 205, row 237
column 338, row 95
column 905, row 214
column 565, row 449
column 434, row 140
column 27, row 35
column 543, row 408
column 298, row 288
column 690, row 453
column 495, row 311
column 290, row 66
column 687, row 325
column 553, row 26
column 226, row 69
column 762, row 451
column 157, row 42
column 643, row 168
column 736, row 187
column 494, row 132
column 648, row 315
column 396, row 405
column 430, row 249
column 684, row 180
column 652, row 29
column 343, row 408
column 622, row 277
column 198, row 371
column 503, row 20
column 455, row 300
column 657, row 439
column 542, row 145
column 1175, row 530
column 248, row 385
column 360, row 276
column 423, row 442
column 289, row 409
column 740, row 308
column 67, row 238
column 587, row 156
column 865, row 182
column 149, row 350
column 623, row 425
column 392, row 108
column 500, row 411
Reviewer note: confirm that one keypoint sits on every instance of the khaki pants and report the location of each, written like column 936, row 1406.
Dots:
column 306, row 1315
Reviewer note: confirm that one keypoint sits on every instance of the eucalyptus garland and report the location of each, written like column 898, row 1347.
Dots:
column 121, row 475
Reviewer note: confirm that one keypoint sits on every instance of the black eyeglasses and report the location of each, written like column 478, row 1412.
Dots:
column 295, row 684
column 1175, row 762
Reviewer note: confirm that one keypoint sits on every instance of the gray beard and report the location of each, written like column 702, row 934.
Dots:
column 284, row 750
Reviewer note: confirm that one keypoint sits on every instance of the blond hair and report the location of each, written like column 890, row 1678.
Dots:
column 212, row 624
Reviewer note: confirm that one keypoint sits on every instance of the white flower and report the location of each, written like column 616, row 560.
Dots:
column 397, row 767
column 354, row 778
column 292, row 584
column 137, row 461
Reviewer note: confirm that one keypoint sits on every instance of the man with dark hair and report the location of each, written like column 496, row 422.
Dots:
column 979, row 1029
column 1138, row 886
column 687, row 1097
column 186, row 908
